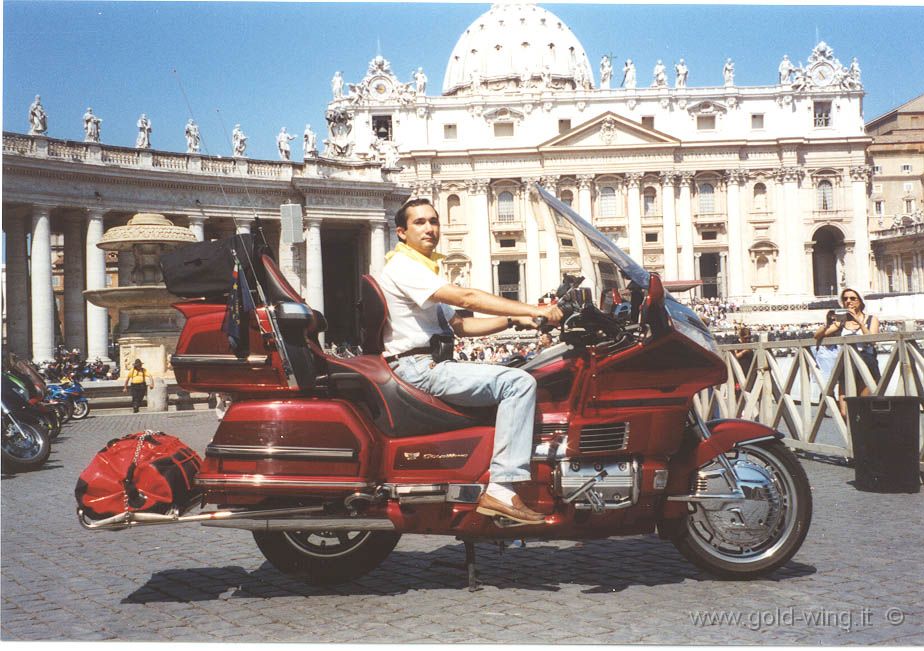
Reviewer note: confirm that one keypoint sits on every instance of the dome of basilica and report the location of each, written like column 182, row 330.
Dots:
column 517, row 46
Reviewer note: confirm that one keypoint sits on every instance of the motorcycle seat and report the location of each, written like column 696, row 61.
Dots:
column 397, row 408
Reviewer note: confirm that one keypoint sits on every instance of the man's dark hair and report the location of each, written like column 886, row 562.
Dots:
column 401, row 215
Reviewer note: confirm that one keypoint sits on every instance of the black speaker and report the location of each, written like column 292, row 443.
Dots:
column 886, row 446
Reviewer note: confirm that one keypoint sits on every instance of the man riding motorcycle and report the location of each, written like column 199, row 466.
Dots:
column 421, row 324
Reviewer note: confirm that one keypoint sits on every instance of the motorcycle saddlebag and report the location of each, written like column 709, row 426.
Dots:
column 203, row 269
column 146, row 471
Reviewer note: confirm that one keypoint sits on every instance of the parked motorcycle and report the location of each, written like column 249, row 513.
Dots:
column 26, row 443
column 328, row 461
column 71, row 393
column 30, row 386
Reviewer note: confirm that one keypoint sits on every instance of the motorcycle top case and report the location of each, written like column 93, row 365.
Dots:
column 162, row 476
column 203, row 269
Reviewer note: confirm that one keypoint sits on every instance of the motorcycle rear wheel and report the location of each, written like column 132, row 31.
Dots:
column 750, row 539
column 25, row 448
column 326, row 558
column 81, row 410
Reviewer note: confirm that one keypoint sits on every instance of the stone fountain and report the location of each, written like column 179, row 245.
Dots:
column 150, row 327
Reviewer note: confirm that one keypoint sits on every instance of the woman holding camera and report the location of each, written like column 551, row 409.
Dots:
column 853, row 320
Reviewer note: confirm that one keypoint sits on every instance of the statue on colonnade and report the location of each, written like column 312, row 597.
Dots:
column 38, row 119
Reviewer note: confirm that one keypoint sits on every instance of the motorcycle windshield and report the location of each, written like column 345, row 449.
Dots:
column 585, row 251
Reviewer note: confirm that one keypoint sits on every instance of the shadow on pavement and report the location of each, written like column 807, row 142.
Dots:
column 604, row 566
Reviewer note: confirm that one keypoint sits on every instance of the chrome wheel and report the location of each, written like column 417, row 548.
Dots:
column 743, row 538
column 326, row 544
column 81, row 410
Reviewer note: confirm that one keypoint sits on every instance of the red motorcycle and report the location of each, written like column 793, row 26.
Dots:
column 328, row 461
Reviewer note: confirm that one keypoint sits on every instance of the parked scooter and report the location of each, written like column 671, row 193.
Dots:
column 328, row 461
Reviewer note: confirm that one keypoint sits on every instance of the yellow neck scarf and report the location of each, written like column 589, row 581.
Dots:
column 432, row 263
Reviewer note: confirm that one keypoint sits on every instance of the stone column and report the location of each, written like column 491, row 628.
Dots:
column 75, row 327
column 97, row 317
column 668, row 182
column 521, row 292
column 585, row 196
column 686, row 265
column 860, row 278
column 197, row 226
column 552, row 276
column 633, row 181
column 697, row 273
column 735, row 275
column 376, row 246
column 792, row 244
column 43, row 300
column 314, row 275
column 480, row 228
column 723, row 270
column 17, row 278
column 533, row 278
column 495, row 264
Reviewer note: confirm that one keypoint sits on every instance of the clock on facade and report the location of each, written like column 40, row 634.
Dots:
column 823, row 74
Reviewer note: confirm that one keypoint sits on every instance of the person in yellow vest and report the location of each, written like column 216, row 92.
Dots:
column 139, row 379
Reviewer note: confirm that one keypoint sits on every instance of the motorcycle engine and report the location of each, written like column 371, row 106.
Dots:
column 598, row 484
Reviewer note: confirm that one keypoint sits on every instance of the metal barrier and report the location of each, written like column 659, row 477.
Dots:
column 785, row 388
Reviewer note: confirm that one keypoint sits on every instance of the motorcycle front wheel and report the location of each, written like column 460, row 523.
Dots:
column 81, row 410
column 24, row 447
column 326, row 558
column 745, row 539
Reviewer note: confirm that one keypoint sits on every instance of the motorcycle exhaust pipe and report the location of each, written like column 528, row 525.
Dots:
column 306, row 524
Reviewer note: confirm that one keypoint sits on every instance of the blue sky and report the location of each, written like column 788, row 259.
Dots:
column 268, row 65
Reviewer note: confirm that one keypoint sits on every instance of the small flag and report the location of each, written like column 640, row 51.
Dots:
column 237, row 315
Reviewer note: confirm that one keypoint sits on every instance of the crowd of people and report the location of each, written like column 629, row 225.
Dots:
column 713, row 311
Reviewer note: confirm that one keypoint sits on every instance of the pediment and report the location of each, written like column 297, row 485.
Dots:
column 609, row 130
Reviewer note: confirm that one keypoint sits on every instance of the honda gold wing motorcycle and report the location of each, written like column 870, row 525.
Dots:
column 328, row 461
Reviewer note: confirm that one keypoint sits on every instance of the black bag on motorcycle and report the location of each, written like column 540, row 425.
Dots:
column 147, row 471
column 204, row 269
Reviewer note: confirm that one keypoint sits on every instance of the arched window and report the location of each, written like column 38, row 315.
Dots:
column 825, row 195
column 505, row 207
column 453, row 209
column 649, row 201
column 567, row 197
column 706, row 198
column 760, row 196
column 607, row 202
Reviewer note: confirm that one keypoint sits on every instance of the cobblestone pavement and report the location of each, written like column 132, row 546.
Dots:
column 863, row 556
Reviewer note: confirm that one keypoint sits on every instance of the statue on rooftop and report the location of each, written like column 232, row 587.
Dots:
column 38, row 119
column 238, row 142
column 660, row 75
column 420, row 79
column 682, row 72
column 310, row 142
column 336, row 85
column 192, row 137
column 728, row 72
column 786, row 69
column 91, row 126
column 628, row 74
column 606, row 72
column 143, row 141
column 283, row 138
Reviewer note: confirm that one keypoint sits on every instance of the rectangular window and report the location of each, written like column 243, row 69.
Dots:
column 757, row 121
column 508, row 244
column 648, row 121
column 710, row 235
column 503, row 129
column 879, row 206
column 822, row 113
column 566, row 242
column 705, row 122
column 381, row 126
column 907, row 187
column 564, row 125
column 909, row 206
column 906, row 168
column 651, row 237
column 450, row 132
column 877, row 169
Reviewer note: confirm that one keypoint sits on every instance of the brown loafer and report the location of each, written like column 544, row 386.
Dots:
column 492, row 506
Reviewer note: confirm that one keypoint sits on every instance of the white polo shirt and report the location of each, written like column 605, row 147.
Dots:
column 412, row 317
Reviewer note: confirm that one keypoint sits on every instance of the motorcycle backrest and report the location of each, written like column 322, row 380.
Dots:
column 373, row 316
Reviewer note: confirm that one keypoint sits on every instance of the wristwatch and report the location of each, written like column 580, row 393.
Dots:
column 509, row 322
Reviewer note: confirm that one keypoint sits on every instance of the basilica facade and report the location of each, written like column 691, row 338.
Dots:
column 753, row 193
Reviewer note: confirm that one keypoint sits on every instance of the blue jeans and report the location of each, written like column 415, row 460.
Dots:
column 481, row 385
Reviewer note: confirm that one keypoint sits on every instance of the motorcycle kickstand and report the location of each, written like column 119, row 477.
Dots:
column 474, row 585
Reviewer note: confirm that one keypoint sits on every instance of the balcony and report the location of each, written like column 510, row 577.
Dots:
column 710, row 219
column 610, row 224
column 831, row 215
column 506, row 224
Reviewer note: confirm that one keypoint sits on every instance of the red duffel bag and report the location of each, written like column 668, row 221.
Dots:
column 146, row 471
